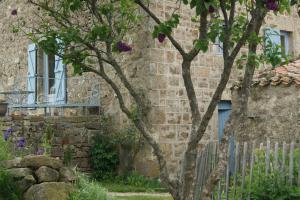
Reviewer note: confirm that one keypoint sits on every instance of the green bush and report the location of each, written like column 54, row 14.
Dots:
column 267, row 186
column 4, row 150
column 8, row 187
column 104, row 158
column 273, row 187
column 88, row 190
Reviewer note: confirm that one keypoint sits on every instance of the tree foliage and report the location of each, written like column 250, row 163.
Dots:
column 93, row 36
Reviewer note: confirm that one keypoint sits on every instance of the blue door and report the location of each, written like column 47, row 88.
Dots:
column 224, row 110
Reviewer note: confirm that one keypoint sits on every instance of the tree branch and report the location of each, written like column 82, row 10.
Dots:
column 153, row 16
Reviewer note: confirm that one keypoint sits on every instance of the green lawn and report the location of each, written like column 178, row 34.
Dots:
column 121, row 187
column 143, row 198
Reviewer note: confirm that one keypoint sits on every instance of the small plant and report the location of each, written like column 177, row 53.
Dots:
column 4, row 148
column 46, row 141
column 68, row 155
column 104, row 157
column 267, row 186
column 88, row 190
column 273, row 187
column 8, row 188
column 111, row 146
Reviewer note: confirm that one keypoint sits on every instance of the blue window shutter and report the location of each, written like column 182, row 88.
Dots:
column 272, row 35
column 31, row 82
column 60, row 81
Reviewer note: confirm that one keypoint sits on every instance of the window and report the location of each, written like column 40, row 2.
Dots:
column 218, row 46
column 279, row 39
column 285, row 38
column 46, row 77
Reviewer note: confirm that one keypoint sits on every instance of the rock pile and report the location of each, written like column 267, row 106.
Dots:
column 41, row 177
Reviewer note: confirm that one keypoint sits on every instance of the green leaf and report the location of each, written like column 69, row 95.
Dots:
column 202, row 45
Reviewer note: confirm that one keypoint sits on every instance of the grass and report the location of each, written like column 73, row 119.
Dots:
column 123, row 187
column 133, row 183
column 143, row 198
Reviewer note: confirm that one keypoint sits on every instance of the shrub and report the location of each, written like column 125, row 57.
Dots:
column 104, row 158
column 8, row 187
column 106, row 154
column 267, row 186
column 4, row 150
column 273, row 187
column 88, row 190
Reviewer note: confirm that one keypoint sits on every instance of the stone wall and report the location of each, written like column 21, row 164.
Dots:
column 274, row 113
column 153, row 66
column 41, row 177
column 75, row 132
column 14, row 60
column 171, row 116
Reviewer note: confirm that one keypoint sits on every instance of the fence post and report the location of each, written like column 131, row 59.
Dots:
column 283, row 160
column 244, row 166
column 268, row 157
column 291, row 164
column 276, row 156
column 236, row 158
column 227, row 171
column 251, row 167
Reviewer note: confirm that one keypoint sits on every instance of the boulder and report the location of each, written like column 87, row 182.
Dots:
column 49, row 191
column 15, row 163
column 26, row 183
column 39, row 161
column 66, row 174
column 19, row 173
column 47, row 174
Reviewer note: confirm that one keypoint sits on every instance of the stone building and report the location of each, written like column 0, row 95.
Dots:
column 274, row 105
column 157, row 66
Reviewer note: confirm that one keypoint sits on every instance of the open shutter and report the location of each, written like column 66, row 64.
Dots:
column 272, row 35
column 60, row 81
column 31, row 82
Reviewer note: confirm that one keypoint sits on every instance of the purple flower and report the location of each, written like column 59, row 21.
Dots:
column 161, row 37
column 123, row 47
column 7, row 133
column 6, row 136
column 272, row 4
column 40, row 151
column 21, row 142
column 211, row 9
column 14, row 12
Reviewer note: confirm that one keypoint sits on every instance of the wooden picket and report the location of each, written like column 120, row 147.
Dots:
column 245, row 159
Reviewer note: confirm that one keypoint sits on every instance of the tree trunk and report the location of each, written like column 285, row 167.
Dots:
column 236, row 118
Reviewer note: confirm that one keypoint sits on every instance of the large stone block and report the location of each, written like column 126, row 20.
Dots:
column 46, row 174
column 19, row 172
column 39, row 161
column 15, row 163
column 26, row 183
column 49, row 191
column 66, row 174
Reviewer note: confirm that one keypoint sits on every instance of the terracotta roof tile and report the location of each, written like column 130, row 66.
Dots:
column 286, row 75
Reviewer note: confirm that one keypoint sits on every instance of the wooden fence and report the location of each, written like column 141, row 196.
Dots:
column 245, row 162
